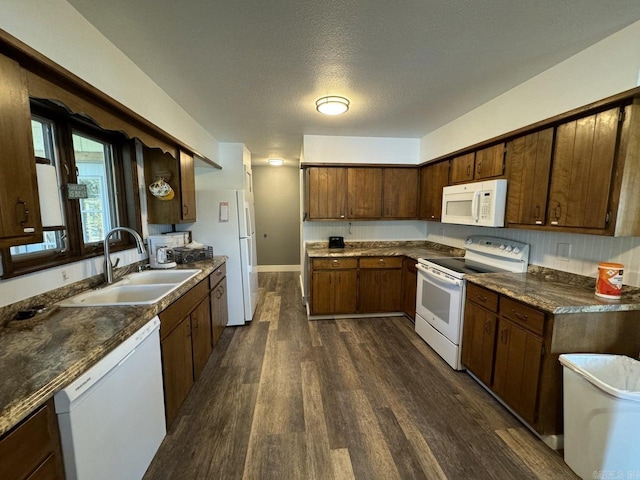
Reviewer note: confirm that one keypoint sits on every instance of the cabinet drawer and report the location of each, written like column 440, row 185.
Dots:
column 329, row 263
column 179, row 309
column 528, row 317
column 482, row 296
column 217, row 275
column 381, row 262
column 26, row 447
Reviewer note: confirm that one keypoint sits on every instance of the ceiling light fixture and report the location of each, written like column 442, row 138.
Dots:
column 332, row 105
column 276, row 162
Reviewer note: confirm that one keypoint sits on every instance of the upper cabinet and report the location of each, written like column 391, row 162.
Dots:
column 400, row 192
column 19, row 205
column 326, row 193
column 187, row 187
column 364, row 192
column 489, row 162
column 528, row 165
column 463, row 168
column 433, row 178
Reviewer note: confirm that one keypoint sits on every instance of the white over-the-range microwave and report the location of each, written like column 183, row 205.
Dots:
column 480, row 203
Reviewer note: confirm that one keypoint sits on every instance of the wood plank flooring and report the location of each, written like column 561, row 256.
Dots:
column 285, row 398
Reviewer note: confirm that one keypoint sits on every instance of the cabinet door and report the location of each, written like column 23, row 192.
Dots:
column 478, row 341
column 219, row 314
column 582, row 170
column 187, row 187
column 433, row 178
column 380, row 290
column 19, row 205
column 334, row 292
column 409, row 285
column 528, row 165
column 177, row 368
column 400, row 192
column 490, row 162
column 462, row 168
column 201, row 336
column 364, row 192
column 326, row 193
column 517, row 368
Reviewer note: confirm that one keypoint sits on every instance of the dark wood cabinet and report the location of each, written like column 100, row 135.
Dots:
column 463, row 168
column 187, row 187
column 528, row 169
column 582, row 171
column 489, row 162
column 380, row 284
column 433, row 178
column 400, row 193
column 177, row 368
column 409, row 286
column 326, row 193
column 218, row 298
column 478, row 342
column 364, row 193
column 334, row 286
column 31, row 450
column 19, row 204
column 201, row 336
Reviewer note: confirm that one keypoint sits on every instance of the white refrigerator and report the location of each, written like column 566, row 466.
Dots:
column 226, row 222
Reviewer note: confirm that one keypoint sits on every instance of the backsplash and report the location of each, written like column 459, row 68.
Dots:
column 359, row 231
column 549, row 249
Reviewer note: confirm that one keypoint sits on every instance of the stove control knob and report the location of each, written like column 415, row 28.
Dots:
column 502, row 247
column 516, row 250
column 509, row 248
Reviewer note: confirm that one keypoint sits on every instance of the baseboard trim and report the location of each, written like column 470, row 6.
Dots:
column 278, row 268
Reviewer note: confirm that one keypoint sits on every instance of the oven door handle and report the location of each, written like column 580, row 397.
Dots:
column 438, row 278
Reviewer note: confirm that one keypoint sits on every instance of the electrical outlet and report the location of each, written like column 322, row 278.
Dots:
column 563, row 251
column 65, row 276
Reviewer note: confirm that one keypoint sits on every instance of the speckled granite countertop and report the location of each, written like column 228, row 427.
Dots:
column 40, row 357
column 556, row 292
column 412, row 249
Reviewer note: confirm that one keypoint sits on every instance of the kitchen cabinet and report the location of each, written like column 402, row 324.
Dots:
column 400, row 193
column 326, row 193
column 334, row 285
column 380, row 284
column 433, row 178
column 31, row 450
column 478, row 341
column 187, row 187
column 19, row 204
column 463, row 168
column 364, row 193
column 185, row 339
column 528, row 169
column 582, row 171
column 218, row 298
column 489, row 162
column 409, row 285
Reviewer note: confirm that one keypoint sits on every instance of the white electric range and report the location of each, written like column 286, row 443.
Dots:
column 441, row 290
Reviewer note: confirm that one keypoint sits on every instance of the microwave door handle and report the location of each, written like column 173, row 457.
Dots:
column 474, row 206
column 437, row 277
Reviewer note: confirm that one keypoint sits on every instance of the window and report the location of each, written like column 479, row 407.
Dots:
column 81, row 154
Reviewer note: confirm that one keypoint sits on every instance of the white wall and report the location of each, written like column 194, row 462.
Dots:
column 332, row 149
column 607, row 68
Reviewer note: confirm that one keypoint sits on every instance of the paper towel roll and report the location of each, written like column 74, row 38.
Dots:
column 49, row 194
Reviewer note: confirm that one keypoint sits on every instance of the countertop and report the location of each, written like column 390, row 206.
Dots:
column 40, row 357
column 412, row 249
column 556, row 292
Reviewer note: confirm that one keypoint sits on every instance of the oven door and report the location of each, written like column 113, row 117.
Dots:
column 439, row 301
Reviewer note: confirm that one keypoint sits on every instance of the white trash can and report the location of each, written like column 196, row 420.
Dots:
column 602, row 415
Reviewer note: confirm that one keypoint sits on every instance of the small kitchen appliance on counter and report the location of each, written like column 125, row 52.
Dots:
column 336, row 242
column 161, row 248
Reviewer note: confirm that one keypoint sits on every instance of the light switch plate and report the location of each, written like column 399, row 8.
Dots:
column 563, row 251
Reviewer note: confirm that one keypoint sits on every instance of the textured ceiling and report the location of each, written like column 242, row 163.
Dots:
column 250, row 70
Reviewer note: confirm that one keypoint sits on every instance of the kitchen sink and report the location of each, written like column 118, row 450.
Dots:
column 143, row 288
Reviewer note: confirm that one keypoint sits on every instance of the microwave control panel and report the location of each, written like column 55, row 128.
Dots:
column 485, row 205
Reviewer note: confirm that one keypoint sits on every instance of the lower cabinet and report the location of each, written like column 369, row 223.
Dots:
column 380, row 284
column 218, row 300
column 409, row 285
column 479, row 341
column 31, row 450
column 334, row 286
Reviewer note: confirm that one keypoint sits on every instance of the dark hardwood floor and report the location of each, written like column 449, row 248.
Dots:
column 285, row 398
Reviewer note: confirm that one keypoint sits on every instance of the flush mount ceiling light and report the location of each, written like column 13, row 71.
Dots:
column 276, row 162
column 332, row 105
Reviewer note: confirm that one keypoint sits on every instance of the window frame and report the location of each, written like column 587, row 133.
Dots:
column 123, row 156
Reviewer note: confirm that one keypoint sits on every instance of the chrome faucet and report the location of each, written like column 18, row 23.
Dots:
column 108, row 266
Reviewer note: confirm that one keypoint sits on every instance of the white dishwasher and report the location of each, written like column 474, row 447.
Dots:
column 112, row 417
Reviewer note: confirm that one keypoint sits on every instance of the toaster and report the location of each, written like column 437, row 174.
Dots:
column 336, row 242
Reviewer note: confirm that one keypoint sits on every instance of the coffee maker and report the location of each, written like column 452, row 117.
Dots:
column 161, row 248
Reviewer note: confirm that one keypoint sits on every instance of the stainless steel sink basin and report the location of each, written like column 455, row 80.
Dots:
column 144, row 288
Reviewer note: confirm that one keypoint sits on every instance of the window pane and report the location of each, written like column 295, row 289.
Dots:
column 94, row 162
column 43, row 146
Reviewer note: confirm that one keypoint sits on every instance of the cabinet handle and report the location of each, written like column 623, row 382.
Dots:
column 468, row 170
column 487, row 327
column 557, row 212
column 482, row 298
column 521, row 316
column 537, row 212
column 479, row 169
column 185, row 210
column 503, row 336
column 22, row 212
column 381, row 260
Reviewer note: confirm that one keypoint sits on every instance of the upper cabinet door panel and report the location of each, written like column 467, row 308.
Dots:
column 364, row 197
column 400, row 192
column 528, row 165
column 463, row 168
column 19, row 205
column 433, row 178
column 187, row 187
column 489, row 162
column 582, row 170
column 326, row 193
